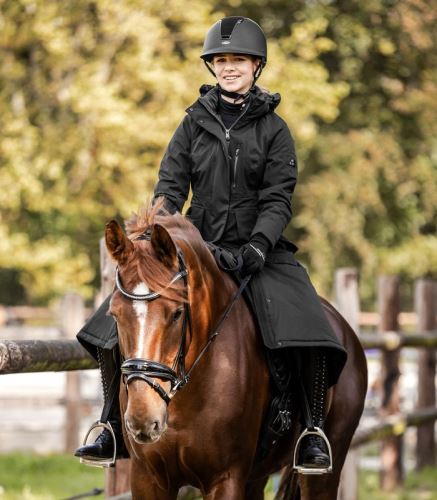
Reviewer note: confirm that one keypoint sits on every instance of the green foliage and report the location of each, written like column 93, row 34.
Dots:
column 369, row 196
column 91, row 92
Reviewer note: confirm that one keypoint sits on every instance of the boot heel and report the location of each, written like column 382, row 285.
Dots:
column 103, row 463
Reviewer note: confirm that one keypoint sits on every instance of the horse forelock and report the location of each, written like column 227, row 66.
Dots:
column 145, row 266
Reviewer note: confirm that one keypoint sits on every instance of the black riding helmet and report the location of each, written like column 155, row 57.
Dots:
column 235, row 35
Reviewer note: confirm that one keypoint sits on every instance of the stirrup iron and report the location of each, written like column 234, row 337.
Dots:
column 301, row 469
column 104, row 462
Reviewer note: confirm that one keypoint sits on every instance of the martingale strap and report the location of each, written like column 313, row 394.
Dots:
column 223, row 318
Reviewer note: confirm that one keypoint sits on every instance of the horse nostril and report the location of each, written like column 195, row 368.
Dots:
column 155, row 426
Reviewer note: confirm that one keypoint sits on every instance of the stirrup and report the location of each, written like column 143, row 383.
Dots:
column 104, row 462
column 301, row 469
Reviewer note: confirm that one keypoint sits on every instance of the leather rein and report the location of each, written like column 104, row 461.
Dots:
column 149, row 370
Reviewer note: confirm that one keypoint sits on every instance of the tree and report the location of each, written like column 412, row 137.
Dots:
column 91, row 93
column 367, row 189
column 372, row 175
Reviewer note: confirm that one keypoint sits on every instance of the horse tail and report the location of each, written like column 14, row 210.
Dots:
column 288, row 487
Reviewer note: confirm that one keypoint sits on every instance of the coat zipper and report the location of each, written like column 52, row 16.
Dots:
column 235, row 166
column 228, row 130
column 228, row 136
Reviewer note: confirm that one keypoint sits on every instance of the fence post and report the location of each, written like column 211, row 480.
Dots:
column 425, row 301
column 117, row 479
column 391, row 448
column 348, row 304
column 72, row 317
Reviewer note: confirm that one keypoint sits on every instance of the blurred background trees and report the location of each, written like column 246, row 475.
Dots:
column 91, row 92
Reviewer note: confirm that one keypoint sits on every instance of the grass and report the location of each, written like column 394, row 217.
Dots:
column 51, row 477
column 417, row 486
column 58, row 477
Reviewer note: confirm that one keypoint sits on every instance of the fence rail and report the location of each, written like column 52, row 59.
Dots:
column 393, row 425
column 24, row 356
column 394, row 340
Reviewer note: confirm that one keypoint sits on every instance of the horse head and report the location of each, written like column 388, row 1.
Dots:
column 158, row 275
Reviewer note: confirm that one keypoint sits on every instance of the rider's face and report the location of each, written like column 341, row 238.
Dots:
column 234, row 72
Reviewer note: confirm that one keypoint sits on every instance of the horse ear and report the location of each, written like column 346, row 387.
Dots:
column 163, row 245
column 119, row 246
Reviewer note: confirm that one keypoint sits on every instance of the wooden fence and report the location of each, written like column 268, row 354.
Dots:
column 59, row 355
column 390, row 340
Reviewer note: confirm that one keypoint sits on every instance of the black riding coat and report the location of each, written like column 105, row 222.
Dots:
column 242, row 181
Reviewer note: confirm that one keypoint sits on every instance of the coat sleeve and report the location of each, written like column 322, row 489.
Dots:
column 175, row 169
column 280, row 177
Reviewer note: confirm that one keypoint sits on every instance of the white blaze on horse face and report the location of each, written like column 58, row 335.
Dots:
column 141, row 308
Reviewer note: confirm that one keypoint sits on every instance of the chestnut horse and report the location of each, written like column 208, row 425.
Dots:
column 169, row 300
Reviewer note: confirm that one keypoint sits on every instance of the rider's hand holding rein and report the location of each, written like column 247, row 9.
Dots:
column 254, row 254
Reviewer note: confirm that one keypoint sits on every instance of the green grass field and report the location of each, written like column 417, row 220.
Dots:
column 58, row 477
column 51, row 477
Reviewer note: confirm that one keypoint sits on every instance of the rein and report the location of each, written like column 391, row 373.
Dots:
column 149, row 370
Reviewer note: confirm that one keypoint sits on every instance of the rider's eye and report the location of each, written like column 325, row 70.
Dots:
column 176, row 315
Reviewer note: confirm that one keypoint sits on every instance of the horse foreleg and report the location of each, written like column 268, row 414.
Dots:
column 147, row 490
column 147, row 486
column 322, row 487
column 230, row 488
column 255, row 489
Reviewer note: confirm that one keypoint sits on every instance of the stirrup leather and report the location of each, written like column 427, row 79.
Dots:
column 317, row 431
column 104, row 462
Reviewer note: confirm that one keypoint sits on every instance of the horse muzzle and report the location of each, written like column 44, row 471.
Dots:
column 145, row 432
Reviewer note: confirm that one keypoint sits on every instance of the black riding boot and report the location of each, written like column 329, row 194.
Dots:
column 313, row 452
column 101, row 452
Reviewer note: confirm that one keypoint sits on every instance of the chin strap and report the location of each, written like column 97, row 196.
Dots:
column 235, row 95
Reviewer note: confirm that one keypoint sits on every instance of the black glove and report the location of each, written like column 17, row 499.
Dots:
column 254, row 254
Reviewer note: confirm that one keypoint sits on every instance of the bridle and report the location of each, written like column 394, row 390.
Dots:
column 149, row 370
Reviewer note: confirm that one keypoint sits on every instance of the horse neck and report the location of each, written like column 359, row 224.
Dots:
column 214, row 290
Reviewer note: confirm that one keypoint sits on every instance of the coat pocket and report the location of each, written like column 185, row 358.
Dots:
column 282, row 257
column 196, row 215
column 246, row 220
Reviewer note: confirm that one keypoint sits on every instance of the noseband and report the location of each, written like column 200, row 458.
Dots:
column 148, row 370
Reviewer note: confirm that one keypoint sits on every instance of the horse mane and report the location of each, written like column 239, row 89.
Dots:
column 155, row 213
column 146, row 265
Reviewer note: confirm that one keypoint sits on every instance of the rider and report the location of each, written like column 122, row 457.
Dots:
column 238, row 157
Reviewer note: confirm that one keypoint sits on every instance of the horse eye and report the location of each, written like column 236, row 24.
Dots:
column 114, row 316
column 176, row 315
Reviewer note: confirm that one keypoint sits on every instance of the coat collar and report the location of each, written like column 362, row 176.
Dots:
column 260, row 102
